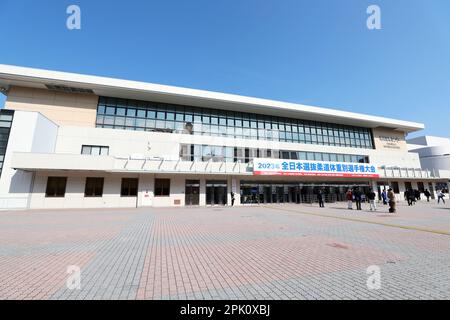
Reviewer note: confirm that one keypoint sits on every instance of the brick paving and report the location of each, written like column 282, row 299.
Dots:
column 252, row 252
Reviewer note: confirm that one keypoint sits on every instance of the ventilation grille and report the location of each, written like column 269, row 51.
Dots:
column 67, row 89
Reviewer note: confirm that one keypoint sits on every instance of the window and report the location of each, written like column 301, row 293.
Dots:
column 95, row 150
column 6, row 118
column 395, row 187
column 94, row 187
column 56, row 187
column 162, row 187
column 130, row 115
column 129, row 187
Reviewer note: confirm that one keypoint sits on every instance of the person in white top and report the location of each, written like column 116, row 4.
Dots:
column 441, row 196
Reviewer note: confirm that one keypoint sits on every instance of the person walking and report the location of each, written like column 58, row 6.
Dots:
column 349, row 197
column 384, row 197
column 372, row 196
column 392, row 201
column 357, row 194
column 441, row 196
column 232, row 198
column 417, row 194
column 409, row 196
column 427, row 195
column 320, row 197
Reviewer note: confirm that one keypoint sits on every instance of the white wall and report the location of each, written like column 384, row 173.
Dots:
column 167, row 145
column 74, row 197
column 30, row 132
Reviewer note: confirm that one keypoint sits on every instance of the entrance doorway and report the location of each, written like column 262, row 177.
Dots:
column 192, row 193
column 216, row 192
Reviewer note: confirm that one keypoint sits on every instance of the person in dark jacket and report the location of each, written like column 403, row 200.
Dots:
column 371, row 196
column 320, row 198
column 411, row 197
column 384, row 197
column 427, row 194
column 417, row 194
column 357, row 195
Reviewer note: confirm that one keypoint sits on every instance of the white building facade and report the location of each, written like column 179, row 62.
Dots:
column 78, row 141
column 434, row 153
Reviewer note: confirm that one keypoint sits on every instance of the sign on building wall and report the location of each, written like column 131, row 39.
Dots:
column 280, row 167
column 389, row 140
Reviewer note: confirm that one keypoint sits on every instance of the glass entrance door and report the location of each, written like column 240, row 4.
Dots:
column 192, row 192
column 216, row 192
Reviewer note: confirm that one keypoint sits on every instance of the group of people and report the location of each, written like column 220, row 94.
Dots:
column 359, row 197
column 412, row 195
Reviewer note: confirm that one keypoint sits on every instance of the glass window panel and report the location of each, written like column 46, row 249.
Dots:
column 119, row 121
column 151, row 114
column 161, row 115
column 170, row 116
column 121, row 111
column 301, row 155
column 150, row 123
column 101, row 109
column 140, row 123
column 179, row 116
column 95, row 151
column 141, row 113
column 160, row 124
column 86, row 150
column 170, row 125
column 108, row 120
column 131, row 112
column 130, row 122
column 104, row 151
column 110, row 110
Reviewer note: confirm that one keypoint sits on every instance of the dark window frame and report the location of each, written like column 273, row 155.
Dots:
column 94, row 146
column 56, row 187
column 129, row 185
column 96, row 190
column 162, row 187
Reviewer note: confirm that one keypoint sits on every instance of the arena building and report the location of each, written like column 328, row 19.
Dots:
column 73, row 141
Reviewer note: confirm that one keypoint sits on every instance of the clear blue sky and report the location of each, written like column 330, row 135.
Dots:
column 316, row 52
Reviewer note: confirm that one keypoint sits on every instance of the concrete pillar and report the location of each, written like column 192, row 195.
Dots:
column 229, row 188
column 145, row 190
column 202, row 196
column 235, row 184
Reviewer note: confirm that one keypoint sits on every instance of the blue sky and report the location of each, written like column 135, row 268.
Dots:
column 316, row 52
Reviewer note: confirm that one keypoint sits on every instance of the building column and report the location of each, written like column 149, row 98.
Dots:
column 145, row 190
column 235, row 185
column 402, row 189
column 202, row 192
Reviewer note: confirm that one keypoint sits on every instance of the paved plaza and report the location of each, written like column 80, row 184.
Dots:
column 252, row 252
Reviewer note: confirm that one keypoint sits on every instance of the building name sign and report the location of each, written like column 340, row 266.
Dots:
column 390, row 139
column 390, row 142
column 280, row 167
